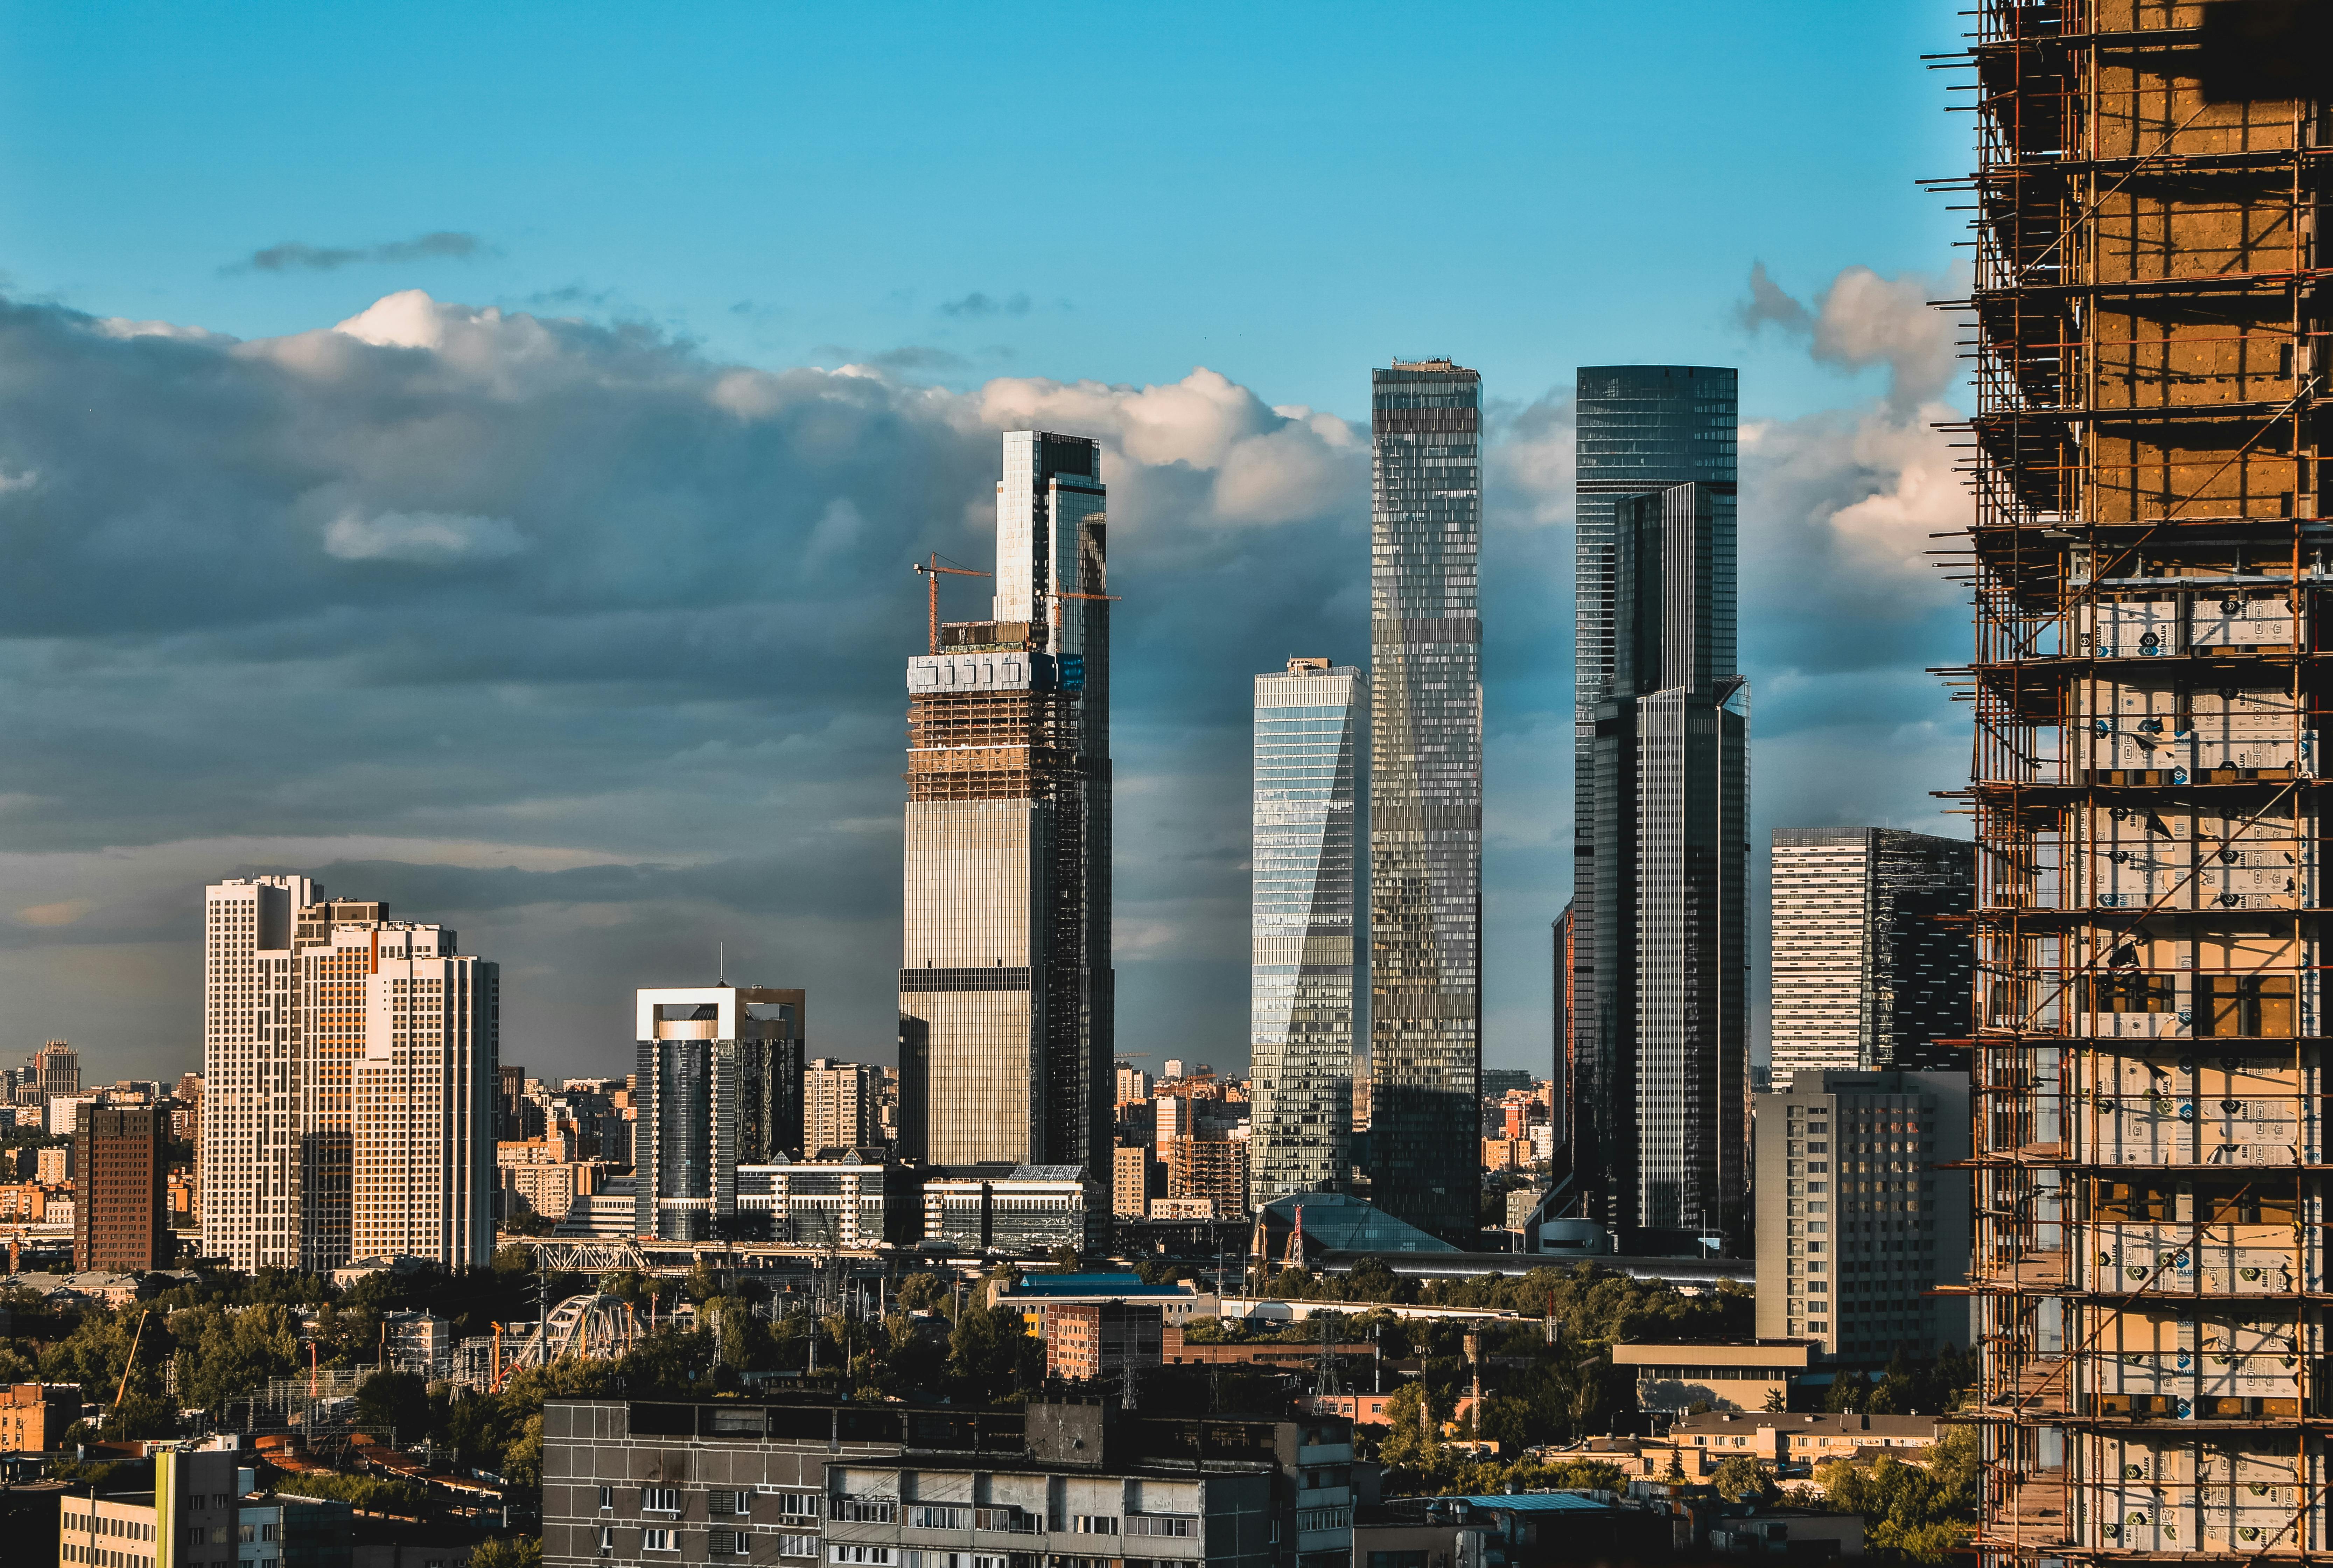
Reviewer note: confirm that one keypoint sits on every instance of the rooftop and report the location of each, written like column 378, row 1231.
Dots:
column 1534, row 1503
column 1067, row 1284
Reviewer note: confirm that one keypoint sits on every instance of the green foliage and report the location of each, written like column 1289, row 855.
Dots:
column 398, row 1400
column 1741, row 1478
column 923, row 1292
column 1910, row 1513
column 375, row 1494
column 991, row 1356
column 508, row 1552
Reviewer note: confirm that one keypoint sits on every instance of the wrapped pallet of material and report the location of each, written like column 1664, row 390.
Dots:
column 2254, row 728
column 2135, row 627
column 2245, row 618
column 2136, row 860
column 2135, row 724
column 2137, row 1496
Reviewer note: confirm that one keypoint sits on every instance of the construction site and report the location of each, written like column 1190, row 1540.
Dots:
column 2148, row 566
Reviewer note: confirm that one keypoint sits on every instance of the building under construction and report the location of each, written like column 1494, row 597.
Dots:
column 2148, row 555
column 1005, row 980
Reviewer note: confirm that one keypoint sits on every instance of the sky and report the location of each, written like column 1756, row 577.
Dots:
column 473, row 456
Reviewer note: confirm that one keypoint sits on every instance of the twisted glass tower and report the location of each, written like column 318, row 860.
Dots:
column 1426, row 796
column 1300, row 993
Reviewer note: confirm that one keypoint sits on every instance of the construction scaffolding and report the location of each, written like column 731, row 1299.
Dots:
column 2150, row 578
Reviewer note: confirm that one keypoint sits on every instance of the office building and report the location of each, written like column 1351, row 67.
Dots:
column 718, row 1079
column 1020, row 1211
column 1307, row 739
column 1006, row 988
column 1658, row 1021
column 120, row 1223
column 57, row 1070
column 1425, row 792
column 252, row 1072
column 950, row 1487
column 2147, row 567
column 1871, row 952
column 844, row 1203
column 1861, row 1213
column 842, row 1103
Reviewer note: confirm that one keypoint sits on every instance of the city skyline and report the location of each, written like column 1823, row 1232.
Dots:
column 586, row 659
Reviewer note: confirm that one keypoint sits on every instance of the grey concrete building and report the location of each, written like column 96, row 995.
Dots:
column 1857, row 1219
column 894, row 1487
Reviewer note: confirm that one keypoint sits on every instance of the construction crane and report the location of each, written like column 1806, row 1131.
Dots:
column 930, row 573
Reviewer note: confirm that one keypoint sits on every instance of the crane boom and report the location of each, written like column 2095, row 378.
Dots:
column 930, row 573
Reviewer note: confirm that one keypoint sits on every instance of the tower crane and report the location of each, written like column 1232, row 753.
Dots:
column 930, row 573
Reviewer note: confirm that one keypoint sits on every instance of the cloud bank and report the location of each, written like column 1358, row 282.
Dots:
column 295, row 255
column 589, row 647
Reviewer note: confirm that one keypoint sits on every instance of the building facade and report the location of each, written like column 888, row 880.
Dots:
column 57, row 1070
column 1425, row 792
column 1871, row 960
column 1300, row 1019
column 120, row 1220
column 844, row 1203
column 1005, row 986
column 842, row 1104
column 1863, row 1210
column 1658, row 1028
column 2146, row 560
column 422, row 1144
column 1052, row 1486
column 252, row 1072
column 717, row 1081
column 1016, row 1210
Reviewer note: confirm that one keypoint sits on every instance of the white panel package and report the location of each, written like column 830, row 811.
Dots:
column 2139, row 1496
column 2136, row 628
column 2138, row 724
column 2250, row 727
column 2254, row 618
column 2253, row 1501
column 2139, row 859
column 2144, row 1110
column 2246, row 1358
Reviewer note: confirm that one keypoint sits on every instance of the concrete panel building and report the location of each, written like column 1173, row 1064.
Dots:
column 1862, row 1211
column 252, row 1072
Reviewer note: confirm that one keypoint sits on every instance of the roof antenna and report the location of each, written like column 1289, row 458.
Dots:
column 721, row 963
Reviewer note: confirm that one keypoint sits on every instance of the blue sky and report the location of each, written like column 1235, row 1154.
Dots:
column 520, row 621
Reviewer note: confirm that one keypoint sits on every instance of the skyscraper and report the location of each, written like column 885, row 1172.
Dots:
column 1006, row 988
column 422, row 1103
column 1426, row 793
column 252, row 1072
column 719, row 1084
column 119, row 1218
column 1659, row 1045
column 1865, row 973
column 57, row 1070
column 1300, row 990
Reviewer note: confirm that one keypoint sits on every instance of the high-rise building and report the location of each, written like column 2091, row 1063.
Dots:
column 842, row 1106
column 719, row 1084
column 120, row 1220
column 1308, row 723
column 1006, row 988
column 335, row 944
column 1657, row 1026
column 57, row 1070
column 1564, row 943
column 1426, row 793
column 422, row 1140
column 1863, row 1212
column 1871, row 952
column 251, row 1071
column 2147, row 565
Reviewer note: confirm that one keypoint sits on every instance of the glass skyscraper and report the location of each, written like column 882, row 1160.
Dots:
column 1659, row 1043
column 1300, row 993
column 1005, row 986
column 1426, row 796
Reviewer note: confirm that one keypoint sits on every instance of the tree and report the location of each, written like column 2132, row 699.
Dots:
column 399, row 1401
column 922, row 1293
column 1777, row 1402
column 1741, row 1478
column 1910, row 1513
column 519, row 1552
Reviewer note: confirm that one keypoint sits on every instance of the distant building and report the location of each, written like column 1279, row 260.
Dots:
column 1859, row 1220
column 1133, row 1083
column 719, row 1086
column 1309, row 734
column 842, row 1106
column 1016, row 1210
column 209, row 1491
column 54, row 1167
column 1131, row 1170
column 540, row 1177
column 1732, row 1375
column 120, row 1219
column 63, row 1113
column 57, row 1070
column 33, row 1415
column 1870, row 970
column 1425, row 790
column 847, row 1203
column 1084, row 1343
column 1214, row 1167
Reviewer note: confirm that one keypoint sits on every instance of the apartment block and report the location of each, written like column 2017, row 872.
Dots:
column 120, row 1222
column 1052, row 1486
column 842, row 1103
column 252, row 1072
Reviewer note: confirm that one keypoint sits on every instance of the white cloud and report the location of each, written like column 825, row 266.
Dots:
column 1861, row 319
column 422, row 538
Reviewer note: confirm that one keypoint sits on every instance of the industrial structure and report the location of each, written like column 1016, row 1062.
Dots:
column 1006, row 985
column 2145, row 554
column 1308, row 720
column 1425, row 792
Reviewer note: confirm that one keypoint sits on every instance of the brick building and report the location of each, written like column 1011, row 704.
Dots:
column 120, row 1219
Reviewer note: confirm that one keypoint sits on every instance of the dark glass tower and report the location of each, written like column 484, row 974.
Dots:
column 1426, row 796
column 1659, row 1044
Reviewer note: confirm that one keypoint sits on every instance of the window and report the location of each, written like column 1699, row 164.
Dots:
column 606, row 1497
column 656, row 1541
column 797, row 1545
column 727, row 1543
column 840, row 1552
column 1094, row 1524
column 659, row 1499
column 607, row 1535
column 798, row 1505
column 1179, row 1524
column 725, row 1504
column 926, row 1517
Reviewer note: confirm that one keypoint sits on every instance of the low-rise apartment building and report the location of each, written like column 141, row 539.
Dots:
column 33, row 1415
column 1734, row 1375
column 1793, row 1444
column 1058, row 1485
